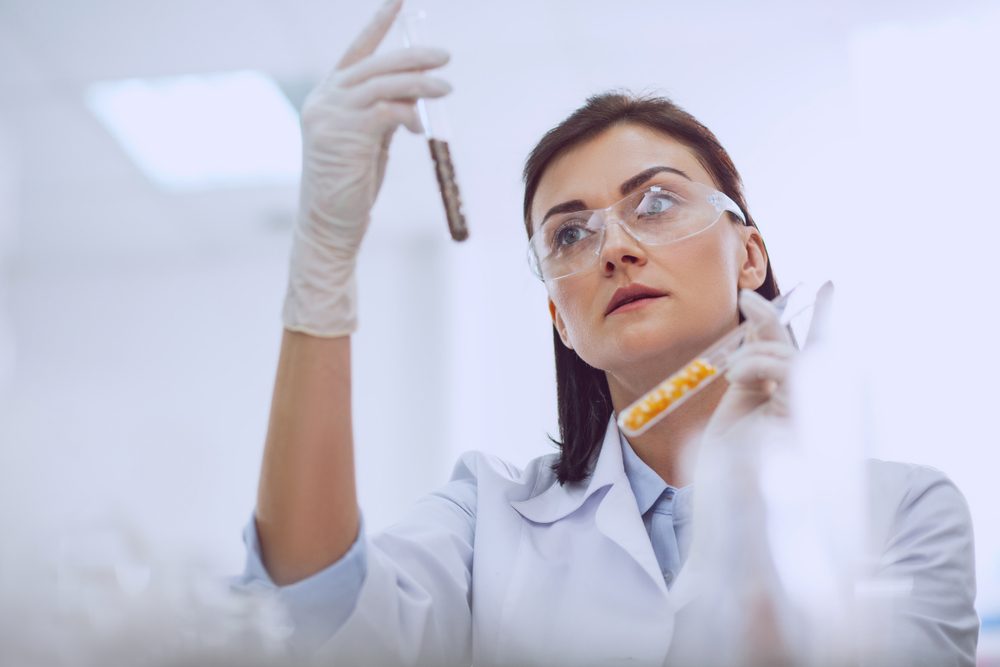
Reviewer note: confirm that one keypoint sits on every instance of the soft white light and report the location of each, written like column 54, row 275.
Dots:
column 201, row 132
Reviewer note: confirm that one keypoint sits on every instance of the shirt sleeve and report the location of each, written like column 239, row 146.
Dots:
column 318, row 605
column 401, row 596
column 928, row 567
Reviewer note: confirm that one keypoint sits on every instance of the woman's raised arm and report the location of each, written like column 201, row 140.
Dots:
column 307, row 514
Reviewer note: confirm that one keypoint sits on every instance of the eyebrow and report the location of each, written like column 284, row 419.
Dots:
column 625, row 188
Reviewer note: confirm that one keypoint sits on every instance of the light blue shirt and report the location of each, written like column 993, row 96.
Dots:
column 665, row 510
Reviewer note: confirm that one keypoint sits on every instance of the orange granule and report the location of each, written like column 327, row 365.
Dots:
column 667, row 393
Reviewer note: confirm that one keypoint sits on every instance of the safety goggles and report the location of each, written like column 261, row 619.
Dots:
column 670, row 211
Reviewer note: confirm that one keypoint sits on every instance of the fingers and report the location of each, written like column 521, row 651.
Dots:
column 371, row 36
column 389, row 115
column 381, row 87
column 418, row 58
column 406, row 86
column 376, row 106
column 768, row 348
column 762, row 316
column 758, row 370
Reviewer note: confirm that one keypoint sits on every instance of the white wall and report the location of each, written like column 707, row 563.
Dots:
column 8, row 241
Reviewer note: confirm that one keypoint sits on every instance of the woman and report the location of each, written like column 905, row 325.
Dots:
column 577, row 558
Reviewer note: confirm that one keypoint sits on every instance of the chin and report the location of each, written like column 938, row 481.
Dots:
column 651, row 349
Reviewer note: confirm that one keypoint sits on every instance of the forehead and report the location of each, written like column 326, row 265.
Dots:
column 594, row 170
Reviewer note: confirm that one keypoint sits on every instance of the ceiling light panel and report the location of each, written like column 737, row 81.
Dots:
column 202, row 132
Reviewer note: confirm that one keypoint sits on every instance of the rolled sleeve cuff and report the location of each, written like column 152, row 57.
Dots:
column 318, row 605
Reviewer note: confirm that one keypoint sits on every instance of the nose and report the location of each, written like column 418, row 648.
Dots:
column 619, row 248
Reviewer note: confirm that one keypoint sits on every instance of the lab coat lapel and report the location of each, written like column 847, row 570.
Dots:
column 617, row 516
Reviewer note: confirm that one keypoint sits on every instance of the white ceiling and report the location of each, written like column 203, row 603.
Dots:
column 518, row 67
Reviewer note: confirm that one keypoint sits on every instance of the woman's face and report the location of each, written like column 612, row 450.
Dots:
column 699, row 276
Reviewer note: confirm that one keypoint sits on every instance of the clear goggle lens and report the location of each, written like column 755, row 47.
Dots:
column 569, row 243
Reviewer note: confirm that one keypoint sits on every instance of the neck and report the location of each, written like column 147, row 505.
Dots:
column 665, row 447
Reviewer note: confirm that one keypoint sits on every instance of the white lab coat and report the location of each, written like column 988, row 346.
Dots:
column 534, row 573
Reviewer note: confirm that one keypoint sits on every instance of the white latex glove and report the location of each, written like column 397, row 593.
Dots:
column 347, row 123
column 758, row 371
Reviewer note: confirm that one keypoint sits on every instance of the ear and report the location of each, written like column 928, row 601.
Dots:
column 754, row 268
column 560, row 326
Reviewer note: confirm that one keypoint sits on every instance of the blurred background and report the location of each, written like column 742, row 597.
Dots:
column 148, row 166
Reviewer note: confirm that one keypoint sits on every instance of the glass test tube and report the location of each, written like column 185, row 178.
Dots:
column 433, row 119
column 698, row 373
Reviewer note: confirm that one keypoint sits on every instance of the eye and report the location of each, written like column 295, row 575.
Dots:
column 568, row 234
column 656, row 202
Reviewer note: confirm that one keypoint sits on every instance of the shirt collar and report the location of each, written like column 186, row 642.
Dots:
column 646, row 484
column 616, row 462
column 557, row 501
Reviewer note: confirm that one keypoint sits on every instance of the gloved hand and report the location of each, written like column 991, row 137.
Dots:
column 758, row 370
column 347, row 123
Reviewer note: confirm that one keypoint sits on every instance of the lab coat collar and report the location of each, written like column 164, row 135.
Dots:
column 617, row 516
column 560, row 500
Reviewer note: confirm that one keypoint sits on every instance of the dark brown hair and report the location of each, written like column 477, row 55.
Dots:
column 584, row 400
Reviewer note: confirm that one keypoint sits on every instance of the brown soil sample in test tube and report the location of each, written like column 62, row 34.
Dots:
column 449, row 189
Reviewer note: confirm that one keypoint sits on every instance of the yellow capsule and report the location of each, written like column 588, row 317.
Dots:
column 668, row 392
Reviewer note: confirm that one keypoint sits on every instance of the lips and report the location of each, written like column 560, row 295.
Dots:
column 630, row 293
